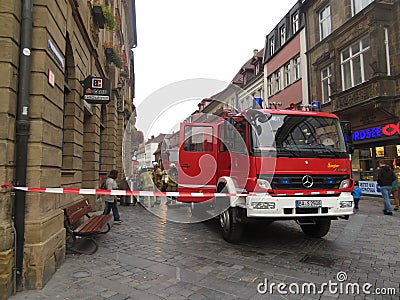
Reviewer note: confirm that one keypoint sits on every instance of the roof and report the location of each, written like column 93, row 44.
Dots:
column 157, row 139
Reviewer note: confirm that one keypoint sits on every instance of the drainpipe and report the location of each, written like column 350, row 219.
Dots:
column 22, row 131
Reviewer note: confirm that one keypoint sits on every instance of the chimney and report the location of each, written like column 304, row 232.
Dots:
column 255, row 51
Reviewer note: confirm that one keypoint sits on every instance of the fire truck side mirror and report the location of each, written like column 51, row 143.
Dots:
column 228, row 132
column 348, row 135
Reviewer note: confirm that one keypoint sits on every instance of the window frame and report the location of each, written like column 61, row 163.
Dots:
column 287, row 74
column 328, row 82
column 278, row 86
column 352, row 57
column 282, row 35
column 323, row 20
column 295, row 22
column 296, row 68
column 270, row 85
column 362, row 6
column 272, row 46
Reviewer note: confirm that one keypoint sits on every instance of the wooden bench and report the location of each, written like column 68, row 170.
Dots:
column 93, row 225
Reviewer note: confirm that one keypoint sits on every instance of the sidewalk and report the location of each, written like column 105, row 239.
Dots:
column 150, row 258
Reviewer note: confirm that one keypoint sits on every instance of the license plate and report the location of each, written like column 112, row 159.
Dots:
column 308, row 203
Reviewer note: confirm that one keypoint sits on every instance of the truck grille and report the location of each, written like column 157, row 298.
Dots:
column 295, row 182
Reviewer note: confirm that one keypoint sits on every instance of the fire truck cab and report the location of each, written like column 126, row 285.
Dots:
column 274, row 164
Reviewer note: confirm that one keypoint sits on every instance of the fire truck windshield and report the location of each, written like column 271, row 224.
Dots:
column 173, row 155
column 298, row 136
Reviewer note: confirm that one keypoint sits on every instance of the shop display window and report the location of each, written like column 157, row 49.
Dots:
column 364, row 160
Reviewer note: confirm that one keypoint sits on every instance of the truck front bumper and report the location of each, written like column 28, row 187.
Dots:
column 262, row 205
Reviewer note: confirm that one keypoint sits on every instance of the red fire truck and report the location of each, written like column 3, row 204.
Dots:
column 271, row 165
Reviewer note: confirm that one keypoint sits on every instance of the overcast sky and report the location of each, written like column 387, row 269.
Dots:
column 186, row 39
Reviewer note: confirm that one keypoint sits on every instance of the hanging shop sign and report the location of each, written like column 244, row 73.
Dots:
column 96, row 90
column 387, row 130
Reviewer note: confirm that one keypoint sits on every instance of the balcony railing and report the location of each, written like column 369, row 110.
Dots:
column 378, row 87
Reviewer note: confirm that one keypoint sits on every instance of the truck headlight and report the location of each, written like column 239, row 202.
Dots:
column 345, row 184
column 264, row 184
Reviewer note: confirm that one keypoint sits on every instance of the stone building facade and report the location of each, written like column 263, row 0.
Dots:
column 71, row 143
column 354, row 70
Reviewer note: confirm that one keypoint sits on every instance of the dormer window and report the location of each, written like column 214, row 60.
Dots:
column 283, row 34
column 295, row 22
column 272, row 46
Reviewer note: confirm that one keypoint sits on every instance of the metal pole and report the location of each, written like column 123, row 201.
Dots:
column 22, row 131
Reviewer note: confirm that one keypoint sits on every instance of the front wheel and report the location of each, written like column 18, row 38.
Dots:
column 232, row 230
column 317, row 230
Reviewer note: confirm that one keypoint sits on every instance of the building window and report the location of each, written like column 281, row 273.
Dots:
column 270, row 86
column 388, row 71
column 325, row 22
column 355, row 62
column 295, row 22
column 325, row 84
column 283, row 34
column 296, row 68
column 271, row 46
column 287, row 75
column 277, row 81
column 358, row 5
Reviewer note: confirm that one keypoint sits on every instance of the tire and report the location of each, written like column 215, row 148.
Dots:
column 220, row 204
column 317, row 230
column 232, row 232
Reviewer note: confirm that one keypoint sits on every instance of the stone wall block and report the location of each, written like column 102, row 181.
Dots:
column 9, row 21
column 6, row 232
column 43, row 259
column 41, row 228
column 8, row 103
column 6, row 273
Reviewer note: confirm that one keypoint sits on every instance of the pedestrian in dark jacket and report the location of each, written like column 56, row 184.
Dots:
column 385, row 178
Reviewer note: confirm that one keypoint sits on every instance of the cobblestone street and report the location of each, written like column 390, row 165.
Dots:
column 149, row 258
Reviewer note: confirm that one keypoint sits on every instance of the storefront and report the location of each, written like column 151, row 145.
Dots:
column 373, row 144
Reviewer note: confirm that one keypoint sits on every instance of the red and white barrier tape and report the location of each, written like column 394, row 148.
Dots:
column 119, row 192
column 155, row 193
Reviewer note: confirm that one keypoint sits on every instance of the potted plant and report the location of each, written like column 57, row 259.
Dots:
column 113, row 54
column 109, row 21
column 98, row 16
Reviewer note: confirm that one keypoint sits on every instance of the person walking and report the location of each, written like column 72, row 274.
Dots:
column 172, row 184
column 357, row 192
column 157, row 178
column 111, row 201
column 385, row 179
column 395, row 190
column 146, row 184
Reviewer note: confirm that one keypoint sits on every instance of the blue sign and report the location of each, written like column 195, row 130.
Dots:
column 257, row 102
column 369, row 133
column 55, row 52
column 370, row 188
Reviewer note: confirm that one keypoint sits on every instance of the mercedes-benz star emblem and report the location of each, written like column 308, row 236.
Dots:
column 307, row 181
